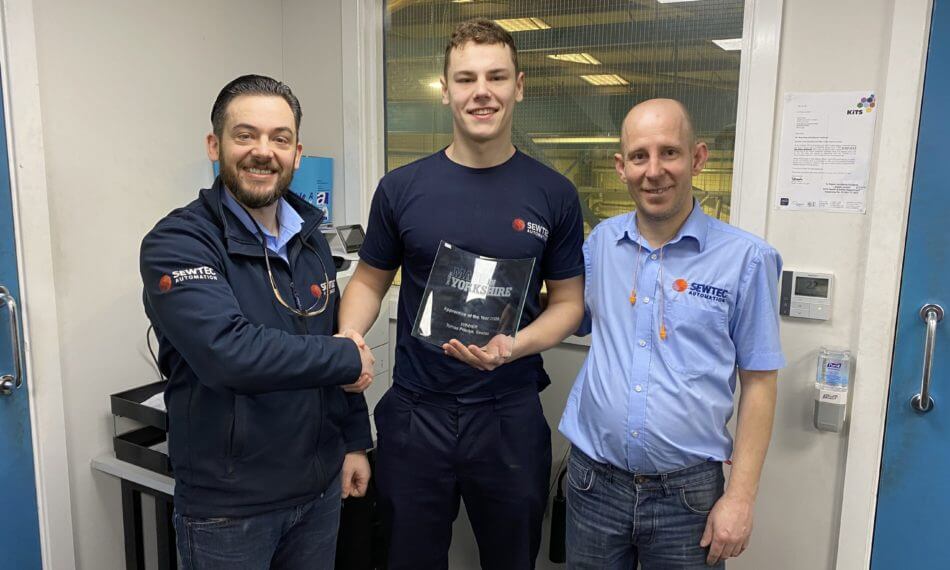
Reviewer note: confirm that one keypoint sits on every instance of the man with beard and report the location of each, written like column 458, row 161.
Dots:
column 266, row 421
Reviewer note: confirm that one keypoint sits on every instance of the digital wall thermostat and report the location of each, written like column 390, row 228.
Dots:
column 806, row 295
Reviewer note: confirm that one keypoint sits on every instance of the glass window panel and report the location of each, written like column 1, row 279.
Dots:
column 586, row 64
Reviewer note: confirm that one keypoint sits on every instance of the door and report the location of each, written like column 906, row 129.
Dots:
column 19, row 524
column 913, row 506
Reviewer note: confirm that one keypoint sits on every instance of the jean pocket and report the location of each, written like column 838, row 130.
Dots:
column 700, row 497
column 198, row 523
column 580, row 476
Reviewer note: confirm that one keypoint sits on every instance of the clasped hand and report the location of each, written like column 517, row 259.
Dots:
column 365, row 378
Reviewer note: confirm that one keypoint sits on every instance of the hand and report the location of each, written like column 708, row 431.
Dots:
column 489, row 357
column 354, row 477
column 365, row 379
column 728, row 528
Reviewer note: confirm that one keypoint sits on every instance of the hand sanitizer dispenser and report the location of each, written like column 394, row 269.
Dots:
column 832, row 381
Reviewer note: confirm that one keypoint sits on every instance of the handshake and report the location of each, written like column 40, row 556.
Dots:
column 366, row 357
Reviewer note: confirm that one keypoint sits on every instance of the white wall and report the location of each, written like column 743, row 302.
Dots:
column 126, row 90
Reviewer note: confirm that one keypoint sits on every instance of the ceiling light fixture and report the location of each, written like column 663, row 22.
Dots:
column 523, row 24
column 734, row 44
column 673, row 1
column 605, row 79
column 576, row 58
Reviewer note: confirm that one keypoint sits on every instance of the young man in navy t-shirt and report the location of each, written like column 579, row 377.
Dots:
column 466, row 421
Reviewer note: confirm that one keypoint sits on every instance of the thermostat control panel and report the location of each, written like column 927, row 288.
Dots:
column 806, row 295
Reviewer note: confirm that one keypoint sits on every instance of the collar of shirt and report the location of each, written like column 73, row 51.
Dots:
column 695, row 227
column 288, row 220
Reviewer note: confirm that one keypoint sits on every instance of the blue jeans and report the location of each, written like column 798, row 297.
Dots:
column 296, row 538
column 615, row 517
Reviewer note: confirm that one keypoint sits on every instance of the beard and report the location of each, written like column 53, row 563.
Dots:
column 246, row 194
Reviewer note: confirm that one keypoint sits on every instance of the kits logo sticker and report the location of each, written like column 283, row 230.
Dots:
column 536, row 230
column 165, row 283
column 865, row 105
column 701, row 290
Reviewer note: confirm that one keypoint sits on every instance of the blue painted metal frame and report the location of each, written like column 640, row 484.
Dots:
column 913, row 508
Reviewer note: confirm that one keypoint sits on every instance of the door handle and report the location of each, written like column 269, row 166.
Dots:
column 931, row 314
column 10, row 382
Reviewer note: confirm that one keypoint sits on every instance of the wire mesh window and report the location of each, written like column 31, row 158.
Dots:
column 586, row 63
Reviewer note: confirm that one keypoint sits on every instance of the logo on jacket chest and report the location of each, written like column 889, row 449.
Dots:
column 319, row 290
column 531, row 228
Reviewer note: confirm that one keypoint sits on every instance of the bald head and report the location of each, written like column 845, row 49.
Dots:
column 658, row 158
column 656, row 112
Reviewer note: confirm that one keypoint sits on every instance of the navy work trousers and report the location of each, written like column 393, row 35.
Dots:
column 494, row 453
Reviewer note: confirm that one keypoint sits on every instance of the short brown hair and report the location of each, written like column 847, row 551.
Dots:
column 480, row 31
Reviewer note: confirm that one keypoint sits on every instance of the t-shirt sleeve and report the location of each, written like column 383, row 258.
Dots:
column 382, row 247
column 755, row 325
column 563, row 257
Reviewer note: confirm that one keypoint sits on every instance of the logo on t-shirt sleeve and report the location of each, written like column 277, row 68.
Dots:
column 531, row 228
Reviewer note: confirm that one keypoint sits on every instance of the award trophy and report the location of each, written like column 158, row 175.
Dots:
column 471, row 298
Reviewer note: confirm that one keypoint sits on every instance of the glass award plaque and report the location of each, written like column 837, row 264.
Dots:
column 471, row 298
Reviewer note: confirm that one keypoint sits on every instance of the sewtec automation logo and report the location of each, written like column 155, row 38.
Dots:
column 462, row 280
column 318, row 291
column 179, row 276
column 536, row 230
column 865, row 105
column 701, row 290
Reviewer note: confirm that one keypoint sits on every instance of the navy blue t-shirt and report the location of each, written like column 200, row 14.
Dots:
column 515, row 210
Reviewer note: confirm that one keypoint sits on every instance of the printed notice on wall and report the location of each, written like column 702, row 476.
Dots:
column 825, row 153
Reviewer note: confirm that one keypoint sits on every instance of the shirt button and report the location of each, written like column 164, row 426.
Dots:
column 653, row 256
column 642, row 342
column 646, row 299
column 635, row 433
column 638, row 388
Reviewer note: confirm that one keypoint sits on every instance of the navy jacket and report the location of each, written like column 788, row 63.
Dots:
column 257, row 420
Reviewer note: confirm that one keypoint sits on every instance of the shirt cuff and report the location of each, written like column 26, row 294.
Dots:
column 763, row 361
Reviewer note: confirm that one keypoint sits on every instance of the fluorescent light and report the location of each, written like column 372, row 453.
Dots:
column 462, row 1
column 733, row 44
column 523, row 24
column 433, row 83
column 605, row 79
column 576, row 58
column 576, row 140
column 673, row 1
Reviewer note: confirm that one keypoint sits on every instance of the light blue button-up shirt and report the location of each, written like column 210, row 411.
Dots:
column 288, row 220
column 648, row 405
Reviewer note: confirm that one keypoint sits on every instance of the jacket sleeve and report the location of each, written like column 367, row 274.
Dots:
column 202, row 319
column 355, row 428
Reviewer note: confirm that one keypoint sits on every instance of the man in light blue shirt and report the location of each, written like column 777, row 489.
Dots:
column 679, row 304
